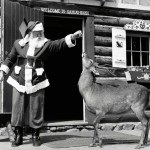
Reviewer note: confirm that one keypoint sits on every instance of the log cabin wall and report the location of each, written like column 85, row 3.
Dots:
column 103, row 25
column 104, row 21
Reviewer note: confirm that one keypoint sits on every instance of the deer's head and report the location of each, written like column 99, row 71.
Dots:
column 88, row 64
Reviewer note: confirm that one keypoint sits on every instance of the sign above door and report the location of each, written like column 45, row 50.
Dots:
column 55, row 7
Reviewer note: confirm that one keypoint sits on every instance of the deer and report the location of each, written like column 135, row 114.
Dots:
column 105, row 99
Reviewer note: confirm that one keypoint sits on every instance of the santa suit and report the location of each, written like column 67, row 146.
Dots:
column 29, row 80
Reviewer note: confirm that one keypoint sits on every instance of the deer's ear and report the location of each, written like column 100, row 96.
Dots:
column 84, row 54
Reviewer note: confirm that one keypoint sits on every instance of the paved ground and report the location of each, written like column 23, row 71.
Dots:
column 6, row 145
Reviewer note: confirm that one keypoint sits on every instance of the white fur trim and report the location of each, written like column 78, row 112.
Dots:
column 30, row 51
column 28, row 77
column 45, row 40
column 38, row 86
column 17, row 69
column 38, row 27
column 23, row 41
column 31, row 48
column 15, row 84
column 30, row 89
column 69, row 42
column 5, row 68
column 39, row 71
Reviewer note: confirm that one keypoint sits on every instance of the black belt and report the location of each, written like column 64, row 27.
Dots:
column 30, row 61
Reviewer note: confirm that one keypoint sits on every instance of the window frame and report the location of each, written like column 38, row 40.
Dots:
column 138, row 34
column 119, row 4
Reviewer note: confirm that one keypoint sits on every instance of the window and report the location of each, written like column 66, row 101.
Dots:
column 131, row 4
column 144, row 2
column 136, row 2
column 129, row 1
column 138, row 49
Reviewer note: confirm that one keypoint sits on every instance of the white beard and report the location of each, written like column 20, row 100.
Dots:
column 35, row 43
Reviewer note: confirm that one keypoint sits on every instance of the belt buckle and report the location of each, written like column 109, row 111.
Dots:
column 28, row 66
column 30, row 63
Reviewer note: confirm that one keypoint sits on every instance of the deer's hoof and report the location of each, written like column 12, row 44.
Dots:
column 96, row 144
column 139, row 146
column 93, row 145
column 100, row 143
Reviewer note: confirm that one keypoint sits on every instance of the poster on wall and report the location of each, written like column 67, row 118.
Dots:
column 119, row 47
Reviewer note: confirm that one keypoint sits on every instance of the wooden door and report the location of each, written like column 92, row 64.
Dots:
column 14, row 13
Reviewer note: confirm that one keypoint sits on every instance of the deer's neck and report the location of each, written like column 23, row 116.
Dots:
column 86, row 80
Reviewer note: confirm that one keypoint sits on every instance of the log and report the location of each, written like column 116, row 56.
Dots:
column 111, row 81
column 102, row 30
column 128, row 13
column 105, row 71
column 113, row 21
column 103, row 50
column 103, row 60
column 103, row 41
column 110, row 72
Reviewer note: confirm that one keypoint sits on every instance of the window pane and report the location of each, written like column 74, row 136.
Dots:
column 145, row 59
column 135, row 43
column 128, row 42
column 129, row 1
column 138, row 49
column 128, row 58
column 144, row 44
column 136, row 59
column 145, row 2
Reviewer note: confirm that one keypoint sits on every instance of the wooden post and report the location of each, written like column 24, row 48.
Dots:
column 89, row 36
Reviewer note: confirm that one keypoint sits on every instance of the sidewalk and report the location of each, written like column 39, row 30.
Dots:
column 6, row 145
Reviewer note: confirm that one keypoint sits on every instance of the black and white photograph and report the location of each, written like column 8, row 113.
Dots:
column 74, row 74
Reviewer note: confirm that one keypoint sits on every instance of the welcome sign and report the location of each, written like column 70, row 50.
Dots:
column 64, row 11
column 56, row 8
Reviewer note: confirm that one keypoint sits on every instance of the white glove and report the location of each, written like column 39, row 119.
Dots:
column 76, row 35
column 1, row 75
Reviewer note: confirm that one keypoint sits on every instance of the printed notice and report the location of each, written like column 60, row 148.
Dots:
column 118, row 47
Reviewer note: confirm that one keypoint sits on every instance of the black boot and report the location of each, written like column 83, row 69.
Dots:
column 35, row 137
column 18, row 136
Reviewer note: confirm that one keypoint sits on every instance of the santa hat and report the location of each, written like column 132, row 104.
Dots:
column 25, row 28
column 34, row 26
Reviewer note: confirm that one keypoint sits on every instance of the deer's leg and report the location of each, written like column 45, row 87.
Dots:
column 145, row 127
column 147, row 133
column 96, row 139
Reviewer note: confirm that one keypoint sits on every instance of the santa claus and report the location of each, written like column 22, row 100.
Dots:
column 28, row 77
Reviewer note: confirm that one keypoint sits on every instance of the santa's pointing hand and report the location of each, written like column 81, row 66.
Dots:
column 76, row 35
